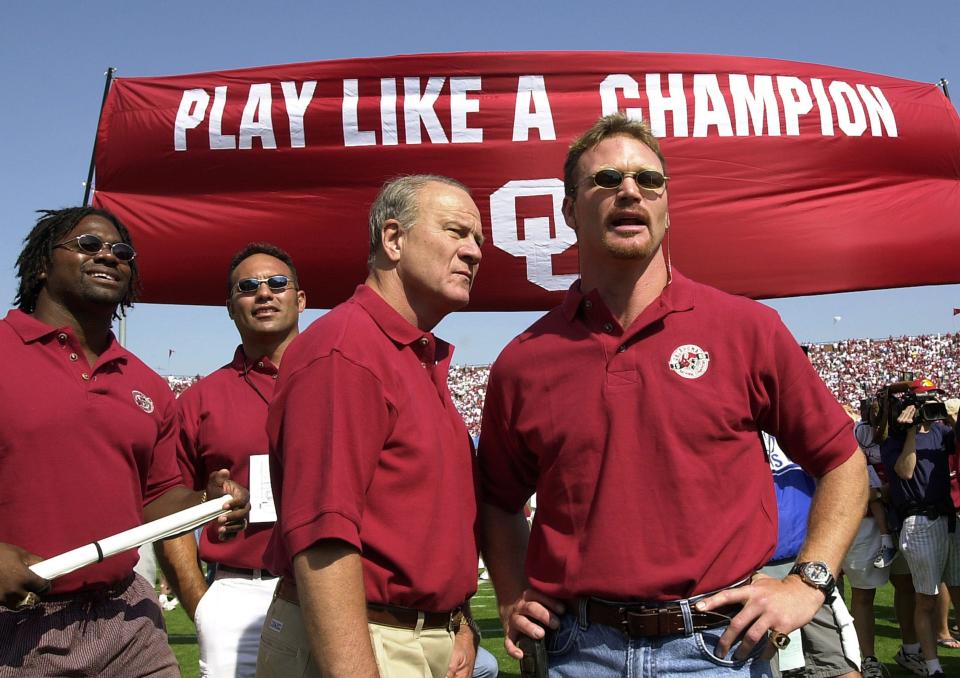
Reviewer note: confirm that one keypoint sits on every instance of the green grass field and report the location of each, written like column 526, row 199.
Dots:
column 184, row 641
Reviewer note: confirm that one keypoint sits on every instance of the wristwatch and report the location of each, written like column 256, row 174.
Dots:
column 465, row 618
column 815, row 573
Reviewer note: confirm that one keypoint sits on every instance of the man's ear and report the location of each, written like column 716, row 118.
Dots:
column 230, row 308
column 568, row 212
column 301, row 301
column 391, row 239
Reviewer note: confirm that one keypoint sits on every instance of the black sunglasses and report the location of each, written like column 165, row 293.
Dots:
column 648, row 179
column 276, row 283
column 94, row 244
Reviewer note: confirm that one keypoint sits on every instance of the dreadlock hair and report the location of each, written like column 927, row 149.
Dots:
column 261, row 248
column 37, row 254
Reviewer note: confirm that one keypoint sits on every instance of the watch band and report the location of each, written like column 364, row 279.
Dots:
column 816, row 574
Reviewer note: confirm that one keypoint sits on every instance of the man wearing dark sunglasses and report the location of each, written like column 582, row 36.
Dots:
column 88, row 439
column 633, row 411
column 223, row 423
column 372, row 464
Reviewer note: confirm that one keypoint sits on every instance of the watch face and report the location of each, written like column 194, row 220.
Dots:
column 816, row 572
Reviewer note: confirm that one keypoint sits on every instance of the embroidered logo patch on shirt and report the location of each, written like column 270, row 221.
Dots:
column 689, row 361
column 276, row 625
column 143, row 401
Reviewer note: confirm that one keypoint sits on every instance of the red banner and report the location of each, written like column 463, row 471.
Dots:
column 786, row 178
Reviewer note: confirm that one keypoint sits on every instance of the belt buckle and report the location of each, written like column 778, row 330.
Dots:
column 628, row 614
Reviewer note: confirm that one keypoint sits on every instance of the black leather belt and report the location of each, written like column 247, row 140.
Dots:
column 639, row 621
column 931, row 512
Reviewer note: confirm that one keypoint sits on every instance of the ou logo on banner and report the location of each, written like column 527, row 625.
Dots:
column 538, row 245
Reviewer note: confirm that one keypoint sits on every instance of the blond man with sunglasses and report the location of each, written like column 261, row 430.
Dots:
column 223, row 420
column 633, row 411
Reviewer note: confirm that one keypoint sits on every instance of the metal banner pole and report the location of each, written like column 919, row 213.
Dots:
column 93, row 154
column 943, row 85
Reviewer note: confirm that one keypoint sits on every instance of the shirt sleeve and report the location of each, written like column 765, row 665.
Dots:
column 164, row 473
column 801, row 411
column 508, row 470
column 335, row 418
column 188, row 407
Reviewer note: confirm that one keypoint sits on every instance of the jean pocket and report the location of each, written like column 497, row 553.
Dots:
column 707, row 643
column 563, row 639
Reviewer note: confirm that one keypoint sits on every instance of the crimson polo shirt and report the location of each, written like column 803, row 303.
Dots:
column 642, row 444
column 82, row 449
column 223, row 420
column 366, row 446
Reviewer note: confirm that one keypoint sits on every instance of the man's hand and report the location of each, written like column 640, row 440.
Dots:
column 234, row 522
column 768, row 604
column 907, row 415
column 528, row 615
column 464, row 653
column 16, row 579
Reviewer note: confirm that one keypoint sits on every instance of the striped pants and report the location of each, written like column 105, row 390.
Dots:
column 932, row 553
column 117, row 632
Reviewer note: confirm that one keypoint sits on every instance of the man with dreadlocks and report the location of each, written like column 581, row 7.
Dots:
column 87, row 449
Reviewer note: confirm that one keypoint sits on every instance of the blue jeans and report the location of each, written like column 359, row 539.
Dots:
column 486, row 665
column 581, row 650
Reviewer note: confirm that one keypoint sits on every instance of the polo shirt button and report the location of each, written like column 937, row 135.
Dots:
column 62, row 338
column 423, row 365
column 85, row 376
column 588, row 304
column 73, row 356
column 607, row 327
column 621, row 348
column 424, row 341
column 260, row 364
column 276, row 376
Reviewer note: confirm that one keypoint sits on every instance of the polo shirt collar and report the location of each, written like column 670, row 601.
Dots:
column 27, row 327
column 428, row 348
column 677, row 296
column 394, row 325
column 30, row 330
column 241, row 363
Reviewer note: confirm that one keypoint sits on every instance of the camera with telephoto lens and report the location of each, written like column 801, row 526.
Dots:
column 883, row 410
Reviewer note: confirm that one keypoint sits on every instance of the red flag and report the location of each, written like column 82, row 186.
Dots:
column 786, row 178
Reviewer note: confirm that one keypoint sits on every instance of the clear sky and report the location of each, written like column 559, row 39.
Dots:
column 54, row 55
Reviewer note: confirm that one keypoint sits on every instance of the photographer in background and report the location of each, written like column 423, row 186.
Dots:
column 916, row 458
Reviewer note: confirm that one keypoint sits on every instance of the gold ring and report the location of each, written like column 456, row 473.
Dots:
column 29, row 600
column 779, row 640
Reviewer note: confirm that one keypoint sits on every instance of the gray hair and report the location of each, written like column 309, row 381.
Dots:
column 400, row 199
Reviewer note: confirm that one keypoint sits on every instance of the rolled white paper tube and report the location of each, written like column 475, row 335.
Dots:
column 175, row 523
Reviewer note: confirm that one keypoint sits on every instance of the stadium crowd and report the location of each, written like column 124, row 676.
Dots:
column 845, row 366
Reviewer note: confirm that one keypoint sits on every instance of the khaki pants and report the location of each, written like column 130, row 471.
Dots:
column 400, row 653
